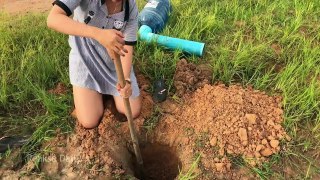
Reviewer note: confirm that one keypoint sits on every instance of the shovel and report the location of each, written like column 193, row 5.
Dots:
column 122, row 82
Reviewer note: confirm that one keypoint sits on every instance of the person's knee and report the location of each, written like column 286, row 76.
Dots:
column 89, row 125
column 135, row 106
column 90, row 122
column 135, row 111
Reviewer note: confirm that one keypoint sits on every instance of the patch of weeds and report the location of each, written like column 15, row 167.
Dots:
column 190, row 174
column 117, row 125
column 6, row 154
column 263, row 172
column 176, row 99
column 237, row 160
column 189, row 131
column 38, row 160
column 201, row 140
column 90, row 165
column 200, row 143
column 150, row 123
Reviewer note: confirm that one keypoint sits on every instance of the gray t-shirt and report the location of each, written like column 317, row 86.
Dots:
column 90, row 65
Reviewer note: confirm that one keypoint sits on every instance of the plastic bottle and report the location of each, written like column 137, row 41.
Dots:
column 155, row 14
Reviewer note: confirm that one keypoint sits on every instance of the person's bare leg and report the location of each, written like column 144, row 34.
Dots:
column 89, row 106
column 135, row 104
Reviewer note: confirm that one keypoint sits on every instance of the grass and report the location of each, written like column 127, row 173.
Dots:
column 191, row 174
column 271, row 45
column 33, row 59
column 151, row 122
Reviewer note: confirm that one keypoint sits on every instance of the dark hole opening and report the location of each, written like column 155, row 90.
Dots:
column 160, row 162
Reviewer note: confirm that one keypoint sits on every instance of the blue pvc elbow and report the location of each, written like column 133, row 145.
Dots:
column 191, row 47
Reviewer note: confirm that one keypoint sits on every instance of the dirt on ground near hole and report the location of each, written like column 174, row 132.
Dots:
column 189, row 77
column 217, row 122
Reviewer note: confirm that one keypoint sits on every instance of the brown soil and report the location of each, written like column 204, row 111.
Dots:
column 214, row 121
column 25, row 6
column 189, row 77
column 276, row 48
column 59, row 89
column 218, row 121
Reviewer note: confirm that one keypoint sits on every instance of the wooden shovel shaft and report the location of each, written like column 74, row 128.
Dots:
column 126, row 102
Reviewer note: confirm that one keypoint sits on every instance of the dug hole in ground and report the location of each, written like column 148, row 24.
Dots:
column 211, row 123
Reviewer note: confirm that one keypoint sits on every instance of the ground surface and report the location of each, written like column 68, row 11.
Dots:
column 215, row 122
column 226, row 131
column 25, row 6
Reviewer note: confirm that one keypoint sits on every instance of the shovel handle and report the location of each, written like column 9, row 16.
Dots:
column 116, row 58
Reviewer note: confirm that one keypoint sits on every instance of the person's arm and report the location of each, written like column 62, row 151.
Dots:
column 59, row 21
column 109, row 38
column 130, row 37
column 127, row 62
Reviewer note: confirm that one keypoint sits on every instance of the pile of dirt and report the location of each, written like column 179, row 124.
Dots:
column 189, row 77
column 217, row 121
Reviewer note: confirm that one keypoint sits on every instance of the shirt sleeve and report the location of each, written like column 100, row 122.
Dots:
column 131, row 29
column 67, row 5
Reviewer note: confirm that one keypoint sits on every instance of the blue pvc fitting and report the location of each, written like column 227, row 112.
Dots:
column 191, row 47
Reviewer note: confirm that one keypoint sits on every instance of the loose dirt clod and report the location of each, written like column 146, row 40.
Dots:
column 266, row 152
column 274, row 143
column 252, row 118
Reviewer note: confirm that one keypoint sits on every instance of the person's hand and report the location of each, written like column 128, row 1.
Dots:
column 112, row 40
column 125, row 92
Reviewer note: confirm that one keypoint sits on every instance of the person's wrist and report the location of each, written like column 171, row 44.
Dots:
column 94, row 32
column 128, row 80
